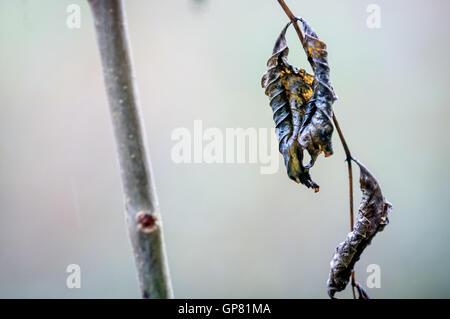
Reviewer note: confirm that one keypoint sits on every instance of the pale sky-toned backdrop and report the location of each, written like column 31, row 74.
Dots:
column 230, row 231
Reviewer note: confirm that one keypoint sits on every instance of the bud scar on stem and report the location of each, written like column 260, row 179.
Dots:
column 147, row 222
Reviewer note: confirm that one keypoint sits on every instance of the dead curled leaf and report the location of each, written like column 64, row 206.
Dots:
column 371, row 219
column 301, row 104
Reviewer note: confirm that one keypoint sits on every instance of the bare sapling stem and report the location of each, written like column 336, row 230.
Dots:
column 141, row 204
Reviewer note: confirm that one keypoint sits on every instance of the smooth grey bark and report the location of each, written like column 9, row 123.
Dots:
column 141, row 205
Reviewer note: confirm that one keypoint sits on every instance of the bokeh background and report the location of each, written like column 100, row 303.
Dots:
column 230, row 231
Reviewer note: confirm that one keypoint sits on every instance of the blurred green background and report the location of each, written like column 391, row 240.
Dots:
column 230, row 231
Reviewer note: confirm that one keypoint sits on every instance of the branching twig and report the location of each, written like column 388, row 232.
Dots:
column 348, row 155
column 142, row 213
column 291, row 17
column 349, row 163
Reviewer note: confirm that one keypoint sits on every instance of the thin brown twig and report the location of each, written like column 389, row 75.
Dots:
column 353, row 284
column 350, row 183
column 291, row 17
column 348, row 155
column 349, row 166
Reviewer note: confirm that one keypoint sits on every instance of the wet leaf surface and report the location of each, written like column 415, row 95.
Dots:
column 301, row 104
column 372, row 217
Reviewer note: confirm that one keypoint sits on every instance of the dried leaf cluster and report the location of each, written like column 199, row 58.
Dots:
column 302, row 111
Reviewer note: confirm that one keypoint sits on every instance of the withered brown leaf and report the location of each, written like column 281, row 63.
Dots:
column 372, row 217
column 301, row 104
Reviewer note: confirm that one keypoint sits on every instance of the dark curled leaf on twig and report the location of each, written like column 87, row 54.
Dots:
column 372, row 217
column 317, row 127
column 288, row 89
column 301, row 105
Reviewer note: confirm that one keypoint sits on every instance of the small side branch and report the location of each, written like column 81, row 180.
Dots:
column 141, row 206
column 291, row 17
